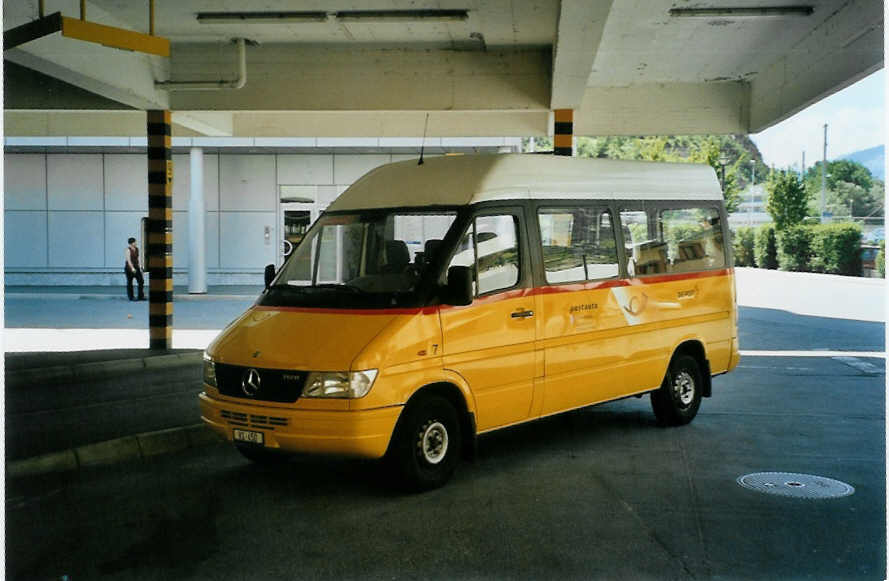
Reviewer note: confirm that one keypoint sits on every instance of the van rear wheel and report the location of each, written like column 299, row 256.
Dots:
column 677, row 401
column 426, row 444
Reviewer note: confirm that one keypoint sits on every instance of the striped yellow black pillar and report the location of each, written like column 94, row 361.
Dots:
column 563, row 131
column 160, row 231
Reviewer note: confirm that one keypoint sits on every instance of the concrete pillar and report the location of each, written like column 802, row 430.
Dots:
column 197, row 261
column 563, row 132
column 160, row 231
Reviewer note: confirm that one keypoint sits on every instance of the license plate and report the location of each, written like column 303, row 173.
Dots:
column 248, row 436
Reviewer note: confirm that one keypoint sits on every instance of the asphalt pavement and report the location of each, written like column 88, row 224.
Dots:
column 600, row 493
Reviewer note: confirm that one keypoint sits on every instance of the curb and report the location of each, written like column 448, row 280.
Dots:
column 98, row 369
column 128, row 448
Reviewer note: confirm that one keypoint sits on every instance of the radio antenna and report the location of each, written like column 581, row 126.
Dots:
column 423, row 142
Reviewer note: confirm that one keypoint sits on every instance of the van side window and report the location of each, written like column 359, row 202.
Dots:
column 693, row 237
column 578, row 244
column 491, row 246
column 646, row 254
column 672, row 240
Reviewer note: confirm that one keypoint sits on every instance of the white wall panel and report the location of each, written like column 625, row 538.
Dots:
column 348, row 168
column 24, row 242
column 327, row 194
column 74, row 181
column 247, row 182
column 242, row 242
column 76, row 239
column 119, row 226
column 305, row 169
column 180, row 240
column 126, row 182
column 24, row 181
column 182, row 182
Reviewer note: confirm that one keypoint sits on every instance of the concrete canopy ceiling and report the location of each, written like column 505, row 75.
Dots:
column 476, row 67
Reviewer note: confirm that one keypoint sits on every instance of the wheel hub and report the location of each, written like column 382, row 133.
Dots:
column 684, row 387
column 434, row 442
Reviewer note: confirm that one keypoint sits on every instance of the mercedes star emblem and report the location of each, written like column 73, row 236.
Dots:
column 250, row 382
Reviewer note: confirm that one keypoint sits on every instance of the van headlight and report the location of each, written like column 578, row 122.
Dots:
column 209, row 371
column 343, row 384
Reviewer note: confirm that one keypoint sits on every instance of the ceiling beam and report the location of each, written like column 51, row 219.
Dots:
column 846, row 47
column 581, row 24
column 210, row 123
column 298, row 78
column 59, row 123
column 276, row 124
column 664, row 109
column 123, row 76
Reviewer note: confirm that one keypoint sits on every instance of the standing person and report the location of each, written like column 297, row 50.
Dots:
column 133, row 269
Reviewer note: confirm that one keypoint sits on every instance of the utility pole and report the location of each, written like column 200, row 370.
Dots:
column 824, row 175
column 802, row 171
column 752, row 192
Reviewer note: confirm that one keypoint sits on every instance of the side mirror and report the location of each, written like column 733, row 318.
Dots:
column 269, row 275
column 459, row 289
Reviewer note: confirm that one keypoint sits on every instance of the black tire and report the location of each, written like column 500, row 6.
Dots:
column 426, row 445
column 677, row 401
column 261, row 455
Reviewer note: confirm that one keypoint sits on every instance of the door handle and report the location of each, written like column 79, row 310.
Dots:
column 522, row 314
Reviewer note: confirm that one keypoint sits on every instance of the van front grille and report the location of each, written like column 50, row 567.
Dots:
column 278, row 385
column 252, row 421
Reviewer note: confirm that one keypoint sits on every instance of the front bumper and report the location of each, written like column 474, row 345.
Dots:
column 364, row 434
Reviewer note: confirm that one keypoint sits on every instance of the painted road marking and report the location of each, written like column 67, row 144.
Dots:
column 815, row 353
column 858, row 364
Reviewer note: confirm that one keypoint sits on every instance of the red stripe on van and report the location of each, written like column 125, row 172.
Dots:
column 514, row 294
column 412, row 311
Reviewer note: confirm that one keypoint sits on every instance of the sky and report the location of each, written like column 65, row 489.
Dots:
column 855, row 118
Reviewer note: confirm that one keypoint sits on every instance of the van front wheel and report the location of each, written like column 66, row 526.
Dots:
column 677, row 401
column 426, row 444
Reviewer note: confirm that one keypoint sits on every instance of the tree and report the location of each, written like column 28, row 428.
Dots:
column 842, row 170
column 851, row 189
column 788, row 199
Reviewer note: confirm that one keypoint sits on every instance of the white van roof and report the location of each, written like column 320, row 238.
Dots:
column 471, row 179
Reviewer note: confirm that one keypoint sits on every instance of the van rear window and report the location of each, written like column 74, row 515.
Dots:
column 673, row 240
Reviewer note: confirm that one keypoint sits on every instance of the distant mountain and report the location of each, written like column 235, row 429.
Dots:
column 872, row 159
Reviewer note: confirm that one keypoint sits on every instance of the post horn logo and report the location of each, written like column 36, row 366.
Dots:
column 637, row 304
column 251, row 382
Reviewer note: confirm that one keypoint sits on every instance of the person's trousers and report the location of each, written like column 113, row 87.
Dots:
column 138, row 276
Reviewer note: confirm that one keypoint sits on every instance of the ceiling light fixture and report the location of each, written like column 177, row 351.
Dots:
column 746, row 12
column 277, row 17
column 261, row 17
column 424, row 15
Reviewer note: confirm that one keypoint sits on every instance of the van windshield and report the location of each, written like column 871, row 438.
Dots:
column 373, row 260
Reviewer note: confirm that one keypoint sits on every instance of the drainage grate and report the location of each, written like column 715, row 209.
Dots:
column 795, row 485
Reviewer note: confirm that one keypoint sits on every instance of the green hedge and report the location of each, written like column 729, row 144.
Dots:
column 765, row 247
column 836, row 249
column 742, row 242
column 881, row 259
column 795, row 248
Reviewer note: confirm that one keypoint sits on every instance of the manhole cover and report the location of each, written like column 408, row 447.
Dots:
column 795, row 485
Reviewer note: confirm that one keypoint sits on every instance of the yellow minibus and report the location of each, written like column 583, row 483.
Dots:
column 432, row 303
